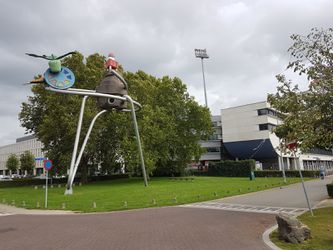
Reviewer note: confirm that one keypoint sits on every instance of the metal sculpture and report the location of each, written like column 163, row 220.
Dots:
column 111, row 95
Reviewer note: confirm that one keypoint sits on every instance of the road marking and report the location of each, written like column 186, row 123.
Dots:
column 246, row 208
column 4, row 214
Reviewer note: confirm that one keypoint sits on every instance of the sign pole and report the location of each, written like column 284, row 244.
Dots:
column 47, row 177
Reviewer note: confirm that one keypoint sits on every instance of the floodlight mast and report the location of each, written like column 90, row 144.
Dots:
column 201, row 53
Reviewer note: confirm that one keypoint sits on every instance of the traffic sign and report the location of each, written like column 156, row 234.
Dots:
column 40, row 159
column 48, row 164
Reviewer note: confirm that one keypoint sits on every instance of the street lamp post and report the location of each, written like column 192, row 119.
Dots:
column 201, row 53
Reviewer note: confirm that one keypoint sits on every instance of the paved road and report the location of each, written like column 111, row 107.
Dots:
column 192, row 227
column 290, row 199
column 159, row 228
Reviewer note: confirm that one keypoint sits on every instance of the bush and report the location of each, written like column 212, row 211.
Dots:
column 36, row 182
column 330, row 189
column 289, row 173
column 231, row 168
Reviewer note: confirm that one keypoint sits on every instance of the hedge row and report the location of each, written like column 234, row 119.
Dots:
column 36, row 182
column 231, row 168
column 289, row 173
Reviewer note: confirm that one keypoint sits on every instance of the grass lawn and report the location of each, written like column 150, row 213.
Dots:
column 321, row 225
column 130, row 193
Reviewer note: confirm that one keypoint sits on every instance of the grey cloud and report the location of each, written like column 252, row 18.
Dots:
column 246, row 40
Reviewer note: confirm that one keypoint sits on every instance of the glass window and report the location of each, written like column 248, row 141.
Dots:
column 213, row 149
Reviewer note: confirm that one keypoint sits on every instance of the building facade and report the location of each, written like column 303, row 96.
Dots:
column 248, row 134
column 26, row 143
column 213, row 146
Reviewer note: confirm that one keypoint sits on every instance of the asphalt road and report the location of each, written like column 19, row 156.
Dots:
column 289, row 196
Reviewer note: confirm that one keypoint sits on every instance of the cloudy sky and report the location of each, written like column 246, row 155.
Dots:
column 247, row 42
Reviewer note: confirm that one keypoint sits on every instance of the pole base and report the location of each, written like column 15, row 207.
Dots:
column 69, row 191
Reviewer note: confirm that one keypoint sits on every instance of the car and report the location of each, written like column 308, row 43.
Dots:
column 6, row 178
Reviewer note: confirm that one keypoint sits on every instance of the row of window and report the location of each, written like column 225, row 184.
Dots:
column 266, row 126
column 268, row 111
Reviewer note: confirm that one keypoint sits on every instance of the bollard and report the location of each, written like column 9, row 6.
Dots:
column 125, row 204
column 94, row 204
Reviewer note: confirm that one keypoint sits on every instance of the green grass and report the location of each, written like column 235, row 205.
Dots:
column 321, row 225
column 130, row 193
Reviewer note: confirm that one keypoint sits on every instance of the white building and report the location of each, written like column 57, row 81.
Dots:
column 26, row 143
column 213, row 146
column 247, row 134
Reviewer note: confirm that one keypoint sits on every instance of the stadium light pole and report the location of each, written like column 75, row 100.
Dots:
column 201, row 53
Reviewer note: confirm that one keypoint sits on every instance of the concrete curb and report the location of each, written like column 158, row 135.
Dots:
column 266, row 239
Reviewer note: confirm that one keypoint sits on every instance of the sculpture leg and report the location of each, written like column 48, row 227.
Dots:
column 129, row 99
column 77, row 162
column 76, row 143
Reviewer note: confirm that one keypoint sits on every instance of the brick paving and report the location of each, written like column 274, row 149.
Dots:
column 155, row 228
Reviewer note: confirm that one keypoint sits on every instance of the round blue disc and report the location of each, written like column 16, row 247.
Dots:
column 62, row 80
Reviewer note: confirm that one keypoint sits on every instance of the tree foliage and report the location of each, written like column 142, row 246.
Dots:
column 170, row 122
column 12, row 163
column 27, row 161
column 307, row 115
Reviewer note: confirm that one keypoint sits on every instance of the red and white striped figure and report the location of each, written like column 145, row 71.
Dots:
column 111, row 63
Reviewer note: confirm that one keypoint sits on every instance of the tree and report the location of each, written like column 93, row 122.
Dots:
column 170, row 122
column 27, row 161
column 12, row 163
column 307, row 115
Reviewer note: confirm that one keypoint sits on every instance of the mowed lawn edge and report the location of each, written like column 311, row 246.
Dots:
column 321, row 225
column 123, row 194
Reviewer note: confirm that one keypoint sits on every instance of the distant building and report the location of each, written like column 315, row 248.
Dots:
column 213, row 146
column 26, row 143
column 247, row 134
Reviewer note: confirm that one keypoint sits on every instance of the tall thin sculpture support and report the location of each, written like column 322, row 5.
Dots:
column 69, row 189
column 76, row 161
column 76, row 143
column 129, row 99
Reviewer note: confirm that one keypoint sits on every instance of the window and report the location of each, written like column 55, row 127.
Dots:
column 213, row 150
column 267, row 111
column 266, row 126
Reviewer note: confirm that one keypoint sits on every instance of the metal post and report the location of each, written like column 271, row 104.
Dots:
column 204, row 81
column 77, row 162
column 283, row 172
column 47, row 180
column 138, row 139
column 76, row 143
column 304, row 189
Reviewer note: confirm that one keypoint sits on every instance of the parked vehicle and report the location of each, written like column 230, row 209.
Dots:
column 5, row 178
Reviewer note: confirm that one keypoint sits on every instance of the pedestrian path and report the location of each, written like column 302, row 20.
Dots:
column 246, row 208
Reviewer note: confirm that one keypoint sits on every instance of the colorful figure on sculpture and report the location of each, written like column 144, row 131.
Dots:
column 56, row 76
column 111, row 94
